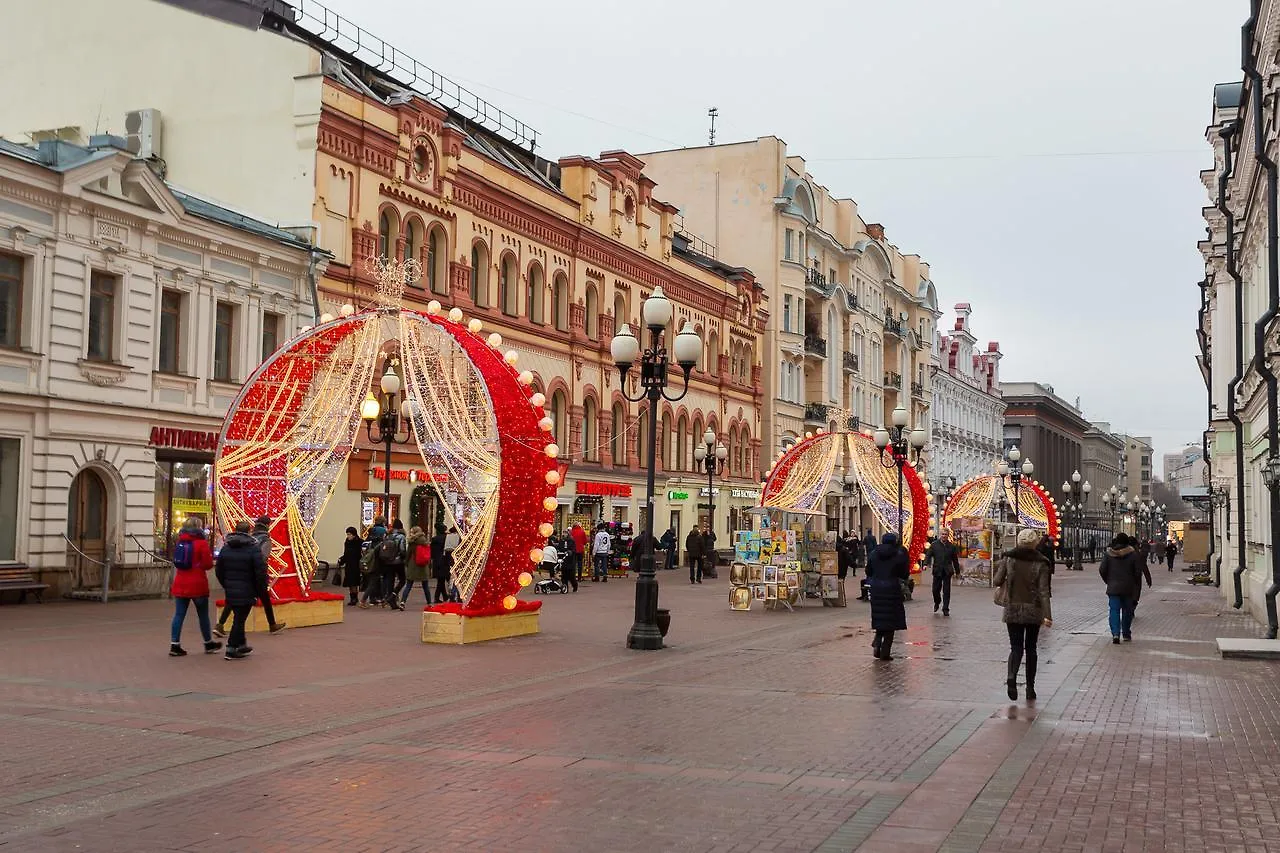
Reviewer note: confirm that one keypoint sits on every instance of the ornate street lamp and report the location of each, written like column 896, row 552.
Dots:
column 656, row 314
column 387, row 416
column 946, row 488
column 900, row 446
column 712, row 457
column 1015, row 473
column 1077, row 495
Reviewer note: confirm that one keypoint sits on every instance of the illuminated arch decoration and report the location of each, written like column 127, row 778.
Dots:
column 479, row 427
column 974, row 498
column 801, row 478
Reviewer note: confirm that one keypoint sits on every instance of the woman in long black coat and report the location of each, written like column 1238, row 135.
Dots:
column 888, row 567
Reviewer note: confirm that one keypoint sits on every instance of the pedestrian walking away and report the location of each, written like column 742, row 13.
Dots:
column 1144, row 571
column 1122, row 575
column 242, row 572
column 1022, row 575
column 601, row 549
column 1093, row 548
column 693, row 544
column 580, row 543
column 441, row 563
column 945, row 559
column 261, row 534
column 349, row 562
column 192, row 560
column 888, row 568
column 371, row 578
column 669, row 544
column 417, row 565
column 1171, row 551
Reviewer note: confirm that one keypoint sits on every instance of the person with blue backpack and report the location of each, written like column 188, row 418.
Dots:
column 192, row 560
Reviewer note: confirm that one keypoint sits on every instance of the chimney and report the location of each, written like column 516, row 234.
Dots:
column 876, row 231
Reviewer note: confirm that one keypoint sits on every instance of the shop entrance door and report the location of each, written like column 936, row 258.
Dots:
column 87, row 526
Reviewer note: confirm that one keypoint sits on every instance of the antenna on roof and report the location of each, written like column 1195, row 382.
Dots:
column 713, row 112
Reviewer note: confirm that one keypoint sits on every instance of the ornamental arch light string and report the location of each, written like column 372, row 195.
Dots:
column 801, row 479
column 480, row 429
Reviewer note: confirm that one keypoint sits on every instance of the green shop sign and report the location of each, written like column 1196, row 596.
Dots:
column 677, row 496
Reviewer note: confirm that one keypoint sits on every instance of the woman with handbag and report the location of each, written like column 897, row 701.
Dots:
column 888, row 571
column 1022, row 589
column 417, row 565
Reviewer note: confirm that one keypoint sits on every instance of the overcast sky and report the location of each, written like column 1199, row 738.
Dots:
column 946, row 120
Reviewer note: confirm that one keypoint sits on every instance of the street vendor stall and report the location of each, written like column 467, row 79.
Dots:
column 974, row 515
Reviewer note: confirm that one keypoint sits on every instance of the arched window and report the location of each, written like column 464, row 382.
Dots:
column 509, row 286
column 713, row 354
column 414, row 247
column 388, row 233
column 533, row 297
column 619, row 310
column 642, row 437
column 664, row 442
column 480, row 274
column 593, row 312
column 436, row 263
column 560, row 302
column 682, row 444
column 557, row 413
column 617, row 440
column 695, row 434
column 748, row 362
column 590, row 431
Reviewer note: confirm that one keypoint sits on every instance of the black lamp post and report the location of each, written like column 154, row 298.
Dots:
column 1077, row 495
column 1015, row 473
column 712, row 457
column 656, row 314
column 1112, row 501
column 901, row 446
column 387, row 416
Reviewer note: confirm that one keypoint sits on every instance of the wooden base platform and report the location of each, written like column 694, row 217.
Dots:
column 299, row 614
column 455, row 629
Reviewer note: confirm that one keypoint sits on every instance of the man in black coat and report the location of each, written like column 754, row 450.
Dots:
column 242, row 572
column 945, row 558
column 888, row 569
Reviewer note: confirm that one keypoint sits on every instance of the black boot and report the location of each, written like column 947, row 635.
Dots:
column 1015, row 662
column 875, row 644
column 1031, row 678
column 886, row 646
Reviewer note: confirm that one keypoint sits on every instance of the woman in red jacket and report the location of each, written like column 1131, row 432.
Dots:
column 192, row 559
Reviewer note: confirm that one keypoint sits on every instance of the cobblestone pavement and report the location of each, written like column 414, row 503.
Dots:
column 756, row 731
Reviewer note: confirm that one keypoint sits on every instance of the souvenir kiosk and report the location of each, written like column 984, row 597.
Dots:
column 985, row 514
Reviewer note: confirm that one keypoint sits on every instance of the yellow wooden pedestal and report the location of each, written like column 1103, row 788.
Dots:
column 299, row 614
column 455, row 629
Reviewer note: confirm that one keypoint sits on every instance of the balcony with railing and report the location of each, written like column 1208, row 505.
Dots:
column 893, row 325
column 893, row 380
column 817, row 413
column 815, row 345
column 853, row 423
column 917, row 389
column 851, row 362
column 817, row 282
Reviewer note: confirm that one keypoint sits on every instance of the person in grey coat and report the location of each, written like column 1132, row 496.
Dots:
column 888, row 568
column 1024, row 574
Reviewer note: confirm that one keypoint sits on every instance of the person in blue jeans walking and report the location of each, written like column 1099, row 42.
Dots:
column 601, row 548
column 1122, row 573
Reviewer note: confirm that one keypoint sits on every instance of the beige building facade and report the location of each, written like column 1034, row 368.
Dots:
column 852, row 318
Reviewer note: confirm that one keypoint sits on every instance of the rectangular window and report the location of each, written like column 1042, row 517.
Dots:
column 10, row 456
column 10, row 300
column 787, row 251
column 786, row 313
column 271, row 325
column 102, row 316
column 223, row 335
column 169, row 360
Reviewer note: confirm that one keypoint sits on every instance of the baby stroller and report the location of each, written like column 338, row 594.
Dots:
column 551, row 583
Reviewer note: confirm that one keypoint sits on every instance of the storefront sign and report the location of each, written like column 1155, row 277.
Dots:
column 677, row 496
column 419, row 476
column 703, row 493
column 183, row 439
column 612, row 490
column 191, row 506
column 745, row 493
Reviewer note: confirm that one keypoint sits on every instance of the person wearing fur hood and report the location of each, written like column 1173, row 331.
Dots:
column 1024, row 574
column 1122, row 569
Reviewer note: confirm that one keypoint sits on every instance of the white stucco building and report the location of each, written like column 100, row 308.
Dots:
column 968, row 412
column 130, row 313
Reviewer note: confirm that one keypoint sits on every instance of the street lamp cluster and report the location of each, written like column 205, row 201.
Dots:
column 1076, row 496
column 388, row 417
column 713, row 458
column 656, row 313
column 902, row 449
column 1015, row 473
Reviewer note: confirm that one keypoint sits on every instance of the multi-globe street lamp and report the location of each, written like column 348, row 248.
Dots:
column 901, row 447
column 656, row 313
column 1076, row 495
column 388, row 417
column 712, row 457
column 1112, row 501
column 946, row 488
column 1015, row 473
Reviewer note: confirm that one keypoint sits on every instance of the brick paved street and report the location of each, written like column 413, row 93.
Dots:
column 752, row 732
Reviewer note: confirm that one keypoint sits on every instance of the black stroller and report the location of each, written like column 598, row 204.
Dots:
column 553, row 582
